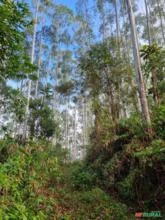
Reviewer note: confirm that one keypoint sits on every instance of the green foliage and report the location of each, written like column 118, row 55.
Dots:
column 47, row 92
column 105, row 125
column 36, row 184
column 13, row 23
column 103, row 206
column 126, row 186
column 154, row 57
column 42, row 122
column 159, row 121
column 154, row 65
column 14, row 102
column 65, row 88
column 131, row 166
column 156, row 150
column 7, row 147
column 132, row 126
column 81, row 177
column 92, row 204
column 22, row 182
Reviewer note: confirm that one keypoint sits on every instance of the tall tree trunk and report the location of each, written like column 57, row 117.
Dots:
column 117, row 24
column 25, row 134
column 141, row 86
column 148, row 22
column 154, row 78
column 83, row 120
column 155, row 86
column 86, row 122
column 40, row 54
column 75, row 121
column 39, row 66
column 161, row 19
column 151, row 16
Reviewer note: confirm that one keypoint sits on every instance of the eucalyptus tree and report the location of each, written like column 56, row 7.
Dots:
column 155, row 25
column 14, row 61
column 25, row 129
column 84, row 32
column 148, row 22
column 103, row 18
column 40, row 17
column 61, row 70
column 139, row 74
column 84, row 36
column 160, row 11
column 154, row 64
column 39, row 62
column 14, row 17
column 116, row 5
column 103, row 69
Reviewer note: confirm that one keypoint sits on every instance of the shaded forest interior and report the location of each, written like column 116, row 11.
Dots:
column 82, row 109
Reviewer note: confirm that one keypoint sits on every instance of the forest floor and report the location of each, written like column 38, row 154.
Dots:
column 35, row 184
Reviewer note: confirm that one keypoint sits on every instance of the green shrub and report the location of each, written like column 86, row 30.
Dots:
column 159, row 121
column 20, row 212
column 23, row 177
column 131, row 126
column 95, row 195
column 156, row 150
column 7, row 147
column 126, row 186
column 102, row 206
column 81, row 178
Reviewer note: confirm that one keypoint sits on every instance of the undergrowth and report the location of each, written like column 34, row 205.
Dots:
column 38, row 183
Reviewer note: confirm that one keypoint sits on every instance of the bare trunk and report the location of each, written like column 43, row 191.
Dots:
column 83, row 118
column 25, row 134
column 148, row 23
column 117, row 24
column 86, row 123
column 161, row 20
column 75, row 121
column 155, row 89
column 141, row 87
column 154, row 35
column 38, row 71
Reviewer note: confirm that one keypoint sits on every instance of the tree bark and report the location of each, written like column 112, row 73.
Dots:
column 148, row 22
column 141, row 87
column 161, row 20
column 39, row 66
column 30, row 82
column 117, row 24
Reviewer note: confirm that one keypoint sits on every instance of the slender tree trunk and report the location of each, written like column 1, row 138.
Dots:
column 39, row 66
column 148, row 22
column 21, row 86
column 155, row 86
column 141, row 86
column 67, row 125
column 25, row 134
column 117, row 24
column 39, row 60
column 154, row 78
column 75, row 121
column 86, row 122
column 161, row 20
column 154, row 34
column 66, row 131
column 101, row 11
column 83, row 120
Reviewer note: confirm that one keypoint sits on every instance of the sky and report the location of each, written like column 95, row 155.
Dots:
column 72, row 4
column 69, row 3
